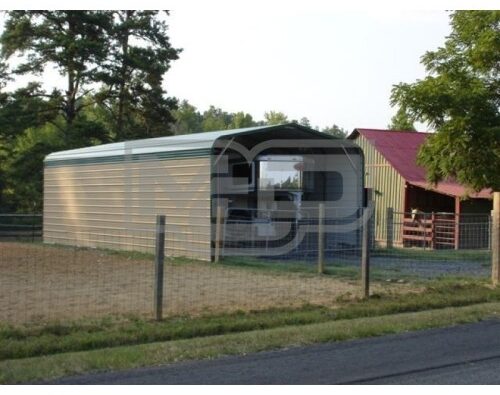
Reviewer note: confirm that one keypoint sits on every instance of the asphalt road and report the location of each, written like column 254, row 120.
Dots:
column 465, row 354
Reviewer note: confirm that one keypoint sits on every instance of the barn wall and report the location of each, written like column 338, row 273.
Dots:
column 388, row 187
column 114, row 205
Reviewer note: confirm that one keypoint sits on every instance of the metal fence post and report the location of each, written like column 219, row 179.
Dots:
column 321, row 238
column 218, row 233
column 495, row 239
column 365, row 244
column 159, row 259
column 390, row 227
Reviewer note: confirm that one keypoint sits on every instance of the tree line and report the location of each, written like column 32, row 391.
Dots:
column 188, row 119
column 113, row 65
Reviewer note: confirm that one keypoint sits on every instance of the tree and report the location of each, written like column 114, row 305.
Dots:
column 460, row 98
column 216, row 119
column 275, row 118
column 25, row 163
column 187, row 119
column 401, row 121
column 304, row 121
column 241, row 120
column 139, row 55
column 335, row 131
column 73, row 41
column 23, row 109
column 19, row 110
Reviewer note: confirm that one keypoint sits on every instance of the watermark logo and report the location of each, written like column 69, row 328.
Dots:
column 270, row 192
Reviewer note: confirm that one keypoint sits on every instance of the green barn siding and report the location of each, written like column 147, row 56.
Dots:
column 388, row 188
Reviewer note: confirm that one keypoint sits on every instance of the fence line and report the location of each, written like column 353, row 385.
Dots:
column 438, row 230
column 41, row 282
column 21, row 226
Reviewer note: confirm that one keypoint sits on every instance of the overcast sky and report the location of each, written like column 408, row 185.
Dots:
column 329, row 66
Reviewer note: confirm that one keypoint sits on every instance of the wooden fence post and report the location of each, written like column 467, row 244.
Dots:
column 365, row 244
column 495, row 239
column 433, row 231
column 389, row 224
column 321, row 238
column 218, row 233
column 159, row 259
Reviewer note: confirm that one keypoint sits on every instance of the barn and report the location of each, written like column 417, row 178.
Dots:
column 108, row 196
column 446, row 216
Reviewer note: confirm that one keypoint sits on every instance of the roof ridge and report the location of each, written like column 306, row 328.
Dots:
column 392, row 130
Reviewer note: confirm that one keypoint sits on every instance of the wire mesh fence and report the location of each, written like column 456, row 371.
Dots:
column 268, row 259
column 21, row 227
column 430, row 245
column 44, row 282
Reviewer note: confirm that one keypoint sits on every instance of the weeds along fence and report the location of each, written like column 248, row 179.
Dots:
column 266, row 259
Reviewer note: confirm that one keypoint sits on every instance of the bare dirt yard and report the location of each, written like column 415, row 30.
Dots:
column 45, row 283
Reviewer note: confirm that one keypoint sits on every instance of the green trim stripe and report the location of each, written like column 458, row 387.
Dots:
column 128, row 158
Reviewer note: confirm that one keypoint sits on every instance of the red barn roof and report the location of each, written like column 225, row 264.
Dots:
column 400, row 150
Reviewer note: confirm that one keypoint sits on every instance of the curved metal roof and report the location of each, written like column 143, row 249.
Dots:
column 186, row 142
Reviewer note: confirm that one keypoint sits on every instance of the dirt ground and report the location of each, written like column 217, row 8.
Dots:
column 45, row 283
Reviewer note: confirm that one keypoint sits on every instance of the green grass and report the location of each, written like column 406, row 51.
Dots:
column 126, row 357
column 339, row 269
column 420, row 254
column 59, row 337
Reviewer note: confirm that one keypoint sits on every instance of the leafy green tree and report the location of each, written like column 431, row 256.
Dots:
column 216, row 119
column 335, row 131
column 241, row 120
column 275, row 118
column 24, row 108
column 460, row 98
column 187, row 119
column 401, row 121
column 72, row 41
column 19, row 110
column 23, row 185
column 138, row 57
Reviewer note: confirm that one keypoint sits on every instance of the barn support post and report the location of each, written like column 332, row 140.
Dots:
column 159, row 273
column 457, row 223
column 365, row 243
column 389, row 224
column 321, row 238
column 433, row 231
column 218, row 232
column 495, row 239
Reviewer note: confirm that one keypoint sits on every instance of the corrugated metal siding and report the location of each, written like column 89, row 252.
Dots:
column 115, row 205
column 388, row 188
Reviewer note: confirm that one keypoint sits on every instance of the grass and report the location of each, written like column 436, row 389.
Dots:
column 126, row 357
column 36, row 340
column 420, row 254
column 337, row 269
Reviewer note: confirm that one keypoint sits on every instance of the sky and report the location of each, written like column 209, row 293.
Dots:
column 331, row 66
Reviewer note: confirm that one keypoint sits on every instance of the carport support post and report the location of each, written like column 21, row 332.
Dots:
column 321, row 238
column 159, row 258
column 218, row 233
column 365, row 244
column 495, row 239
